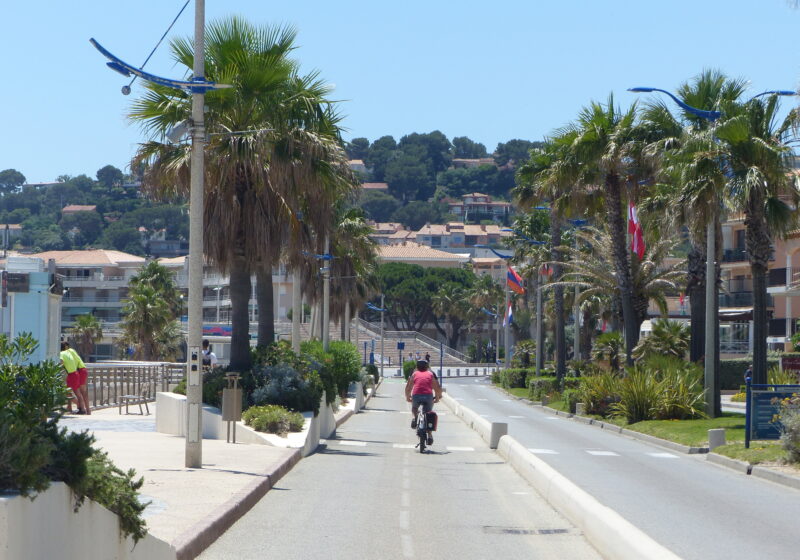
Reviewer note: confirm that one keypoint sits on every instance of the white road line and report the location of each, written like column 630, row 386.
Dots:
column 404, row 518
column 553, row 418
column 408, row 546
column 543, row 451
column 353, row 443
column 506, row 400
column 481, row 399
column 602, row 453
column 516, row 417
column 663, row 455
column 406, row 483
column 405, row 471
column 403, row 445
column 405, row 499
column 520, row 493
column 456, row 448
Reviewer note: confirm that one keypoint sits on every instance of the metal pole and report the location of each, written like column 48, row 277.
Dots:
column 576, row 345
column 219, row 289
column 711, row 323
column 539, row 330
column 194, row 387
column 297, row 310
column 506, row 332
column 326, row 298
column 382, row 308
column 441, row 364
column 497, row 337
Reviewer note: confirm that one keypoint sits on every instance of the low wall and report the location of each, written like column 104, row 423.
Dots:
column 466, row 370
column 47, row 527
column 490, row 432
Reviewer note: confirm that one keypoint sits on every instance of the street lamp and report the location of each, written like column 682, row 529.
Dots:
column 507, row 327
column 495, row 316
column 382, row 310
column 576, row 352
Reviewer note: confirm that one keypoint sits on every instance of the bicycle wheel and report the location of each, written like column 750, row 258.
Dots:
column 422, row 439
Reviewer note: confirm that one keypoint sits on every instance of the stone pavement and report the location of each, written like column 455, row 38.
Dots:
column 189, row 508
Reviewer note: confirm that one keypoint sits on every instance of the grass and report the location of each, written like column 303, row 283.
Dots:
column 693, row 432
column 759, row 452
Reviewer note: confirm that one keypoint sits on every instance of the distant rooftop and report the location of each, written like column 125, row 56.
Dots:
column 72, row 208
column 89, row 257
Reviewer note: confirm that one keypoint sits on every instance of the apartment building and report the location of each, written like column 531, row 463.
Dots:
column 478, row 205
column 457, row 235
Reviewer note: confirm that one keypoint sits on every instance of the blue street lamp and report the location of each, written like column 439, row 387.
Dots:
column 710, row 116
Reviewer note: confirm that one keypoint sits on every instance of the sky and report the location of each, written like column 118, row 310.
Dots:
column 492, row 71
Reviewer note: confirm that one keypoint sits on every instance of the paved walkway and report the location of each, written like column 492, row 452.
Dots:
column 184, row 502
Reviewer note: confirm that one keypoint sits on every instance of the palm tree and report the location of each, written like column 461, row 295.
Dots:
column 668, row 338
column 452, row 302
column 767, row 193
column 147, row 319
column 86, row 331
column 244, row 209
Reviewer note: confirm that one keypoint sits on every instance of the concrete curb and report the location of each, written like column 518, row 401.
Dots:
column 202, row 534
column 740, row 466
column 344, row 417
column 775, row 476
column 490, row 432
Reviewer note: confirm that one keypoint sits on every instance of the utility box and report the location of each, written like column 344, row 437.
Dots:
column 232, row 404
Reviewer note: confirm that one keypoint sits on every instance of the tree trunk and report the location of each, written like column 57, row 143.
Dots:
column 617, row 229
column 240, row 288
column 696, row 289
column 758, row 251
column 264, row 298
column 558, row 299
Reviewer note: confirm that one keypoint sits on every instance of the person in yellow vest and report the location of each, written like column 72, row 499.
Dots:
column 73, row 377
column 83, row 378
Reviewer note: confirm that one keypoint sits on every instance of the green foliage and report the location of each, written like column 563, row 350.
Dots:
column 408, row 368
column 416, row 214
column 465, row 148
column 790, row 422
column 285, row 386
column 514, row 151
column 670, row 338
column 609, row 347
column 599, row 392
column 778, row 376
column 731, row 371
column 515, row 378
column 273, row 419
column 379, row 206
column 373, row 370
column 542, row 386
column 524, row 352
column 338, row 367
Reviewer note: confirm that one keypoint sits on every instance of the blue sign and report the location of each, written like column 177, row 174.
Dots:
column 401, row 345
column 763, row 414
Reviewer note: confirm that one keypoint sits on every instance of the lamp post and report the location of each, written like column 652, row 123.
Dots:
column 507, row 327
column 326, row 296
column 382, row 310
column 576, row 352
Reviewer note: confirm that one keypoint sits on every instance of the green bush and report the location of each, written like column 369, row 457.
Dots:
column 778, row 376
column 338, row 367
column 731, row 372
column 273, row 419
column 539, row 387
column 790, row 422
column 285, row 386
column 570, row 396
column 373, row 370
column 515, row 378
column 408, row 368
column 497, row 376
column 599, row 392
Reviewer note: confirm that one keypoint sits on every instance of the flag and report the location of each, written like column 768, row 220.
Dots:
column 514, row 281
column 509, row 317
column 635, row 229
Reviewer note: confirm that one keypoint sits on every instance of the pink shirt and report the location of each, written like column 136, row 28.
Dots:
column 423, row 383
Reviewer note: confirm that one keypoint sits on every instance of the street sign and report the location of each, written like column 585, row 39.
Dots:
column 763, row 413
column 401, row 345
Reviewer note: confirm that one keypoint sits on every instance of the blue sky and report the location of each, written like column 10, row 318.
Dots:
column 491, row 71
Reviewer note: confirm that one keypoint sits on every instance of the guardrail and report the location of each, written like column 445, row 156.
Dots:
column 109, row 381
column 416, row 336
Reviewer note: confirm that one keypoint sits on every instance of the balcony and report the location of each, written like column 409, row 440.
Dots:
column 776, row 277
column 734, row 255
column 741, row 299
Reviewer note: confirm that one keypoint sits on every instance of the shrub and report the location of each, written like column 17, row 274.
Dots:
column 683, row 393
column 273, row 419
column 285, row 386
column 790, row 422
column 667, row 338
column 599, row 392
column 515, row 378
column 638, row 396
column 609, row 347
column 778, row 376
column 408, row 368
column 731, row 372
column 373, row 370
column 739, row 397
column 497, row 376
column 570, row 396
column 539, row 387
column 337, row 368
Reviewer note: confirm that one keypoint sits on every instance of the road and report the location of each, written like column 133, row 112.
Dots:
column 696, row 509
column 369, row 494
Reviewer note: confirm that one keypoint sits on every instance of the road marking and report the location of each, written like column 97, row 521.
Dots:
column 403, row 446
column 405, row 499
column 543, row 451
column 520, row 493
column 406, row 483
column 553, row 418
column 484, row 416
column 482, row 400
column 405, row 471
column 456, row 448
column 353, row 443
column 663, row 455
column 602, row 453
column 408, row 546
column 516, row 417
column 506, row 400
column 404, row 519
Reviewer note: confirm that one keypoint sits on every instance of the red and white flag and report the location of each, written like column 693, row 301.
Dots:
column 635, row 229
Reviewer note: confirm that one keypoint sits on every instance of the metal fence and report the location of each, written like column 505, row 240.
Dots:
column 110, row 381
column 449, row 353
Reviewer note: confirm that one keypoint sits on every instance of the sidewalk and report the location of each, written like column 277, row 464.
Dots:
column 189, row 508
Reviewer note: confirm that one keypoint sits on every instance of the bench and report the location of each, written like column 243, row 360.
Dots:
column 141, row 399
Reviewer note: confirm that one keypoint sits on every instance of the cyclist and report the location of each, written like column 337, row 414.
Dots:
column 422, row 389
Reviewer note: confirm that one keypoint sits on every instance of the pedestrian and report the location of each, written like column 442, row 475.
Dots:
column 428, row 357
column 748, row 373
column 73, row 377
column 419, row 357
column 83, row 378
column 209, row 358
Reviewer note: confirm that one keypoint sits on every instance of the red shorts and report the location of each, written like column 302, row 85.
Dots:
column 74, row 380
column 83, row 374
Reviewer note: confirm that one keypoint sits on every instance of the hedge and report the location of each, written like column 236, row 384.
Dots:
column 731, row 371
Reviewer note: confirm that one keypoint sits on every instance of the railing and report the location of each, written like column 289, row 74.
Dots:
column 109, row 381
column 776, row 277
column 734, row 346
column 94, row 278
column 734, row 255
column 91, row 299
column 416, row 336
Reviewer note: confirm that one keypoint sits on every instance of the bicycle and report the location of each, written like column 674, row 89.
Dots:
column 426, row 423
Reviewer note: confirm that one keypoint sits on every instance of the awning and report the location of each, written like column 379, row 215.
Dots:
column 735, row 314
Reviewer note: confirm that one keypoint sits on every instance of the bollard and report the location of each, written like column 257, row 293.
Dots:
column 499, row 429
column 579, row 409
column 716, row 438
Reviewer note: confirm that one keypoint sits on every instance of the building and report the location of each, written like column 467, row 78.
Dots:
column 456, row 235
column 75, row 208
column 493, row 266
column 379, row 187
column 478, row 205
column 413, row 253
column 357, row 165
column 390, row 233
column 468, row 163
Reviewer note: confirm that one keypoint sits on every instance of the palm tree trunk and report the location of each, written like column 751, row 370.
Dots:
column 696, row 289
column 558, row 298
column 758, row 251
column 617, row 229
column 264, row 298
column 240, row 289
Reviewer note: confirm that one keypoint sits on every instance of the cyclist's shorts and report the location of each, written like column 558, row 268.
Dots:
column 425, row 400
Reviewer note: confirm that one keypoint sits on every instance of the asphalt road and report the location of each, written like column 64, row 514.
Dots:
column 696, row 509
column 369, row 494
